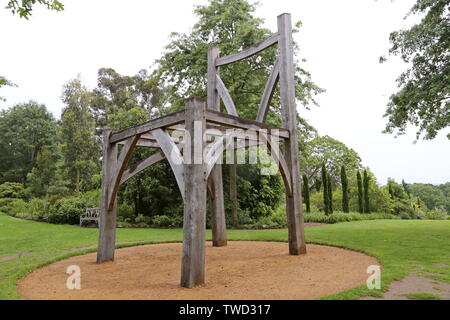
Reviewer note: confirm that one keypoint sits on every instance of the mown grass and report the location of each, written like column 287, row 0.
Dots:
column 400, row 245
column 423, row 296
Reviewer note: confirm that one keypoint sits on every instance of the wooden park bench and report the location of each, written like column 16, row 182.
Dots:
column 91, row 214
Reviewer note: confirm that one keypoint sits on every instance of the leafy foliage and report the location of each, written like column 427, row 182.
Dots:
column 331, row 152
column 25, row 130
column 81, row 151
column 3, row 83
column 12, row 190
column 230, row 26
column 25, row 7
column 434, row 197
column 424, row 96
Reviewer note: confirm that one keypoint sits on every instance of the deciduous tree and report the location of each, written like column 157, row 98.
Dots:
column 25, row 130
column 80, row 149
column 423, row 99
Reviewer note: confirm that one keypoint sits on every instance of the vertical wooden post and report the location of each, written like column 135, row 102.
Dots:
column 219, row 228
column 294, row 209
column 107, row 225
column 193, row 261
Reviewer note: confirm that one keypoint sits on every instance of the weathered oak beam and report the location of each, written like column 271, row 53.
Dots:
column 278, row 157
column 107, row 224
column 297, row 244
column 172, row 154
column 215, row 181
column 122, row 162
column 247, row 53
column 215, row 152
column 268, row 92
column 194, row 224
column 226, row 97
column 166, row 121
column 246, row 124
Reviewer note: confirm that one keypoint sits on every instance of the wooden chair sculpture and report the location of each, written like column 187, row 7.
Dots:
column 195, row 178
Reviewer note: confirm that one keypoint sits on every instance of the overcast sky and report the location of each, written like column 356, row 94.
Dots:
column 342, row 41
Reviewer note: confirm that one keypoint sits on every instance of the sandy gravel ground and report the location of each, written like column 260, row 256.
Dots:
column 242, row 270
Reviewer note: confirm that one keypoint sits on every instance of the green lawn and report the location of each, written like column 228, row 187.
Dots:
column 400, row 245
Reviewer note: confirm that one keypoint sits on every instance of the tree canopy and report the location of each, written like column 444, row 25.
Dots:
column 25, row 130
column 423, row 99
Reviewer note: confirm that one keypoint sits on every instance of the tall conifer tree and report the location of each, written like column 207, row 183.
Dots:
column 325, row 189
column 360, row 193
column 345, row 206
column 306, row 193
column 366, row 192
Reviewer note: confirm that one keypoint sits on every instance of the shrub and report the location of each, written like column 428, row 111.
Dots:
column 68, row 210
column 405, row 216
column 35, row 209
column 12, row 190
column 345, row 217
column 165, row 221
column 162, row 221
column 436, row 215
column 143, row 220
column 125, row 211
column 5, row 204
column 12, row 207
column 244, row 218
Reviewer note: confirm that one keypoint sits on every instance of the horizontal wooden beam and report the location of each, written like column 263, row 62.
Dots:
column 246, row 124
column 166, row 121
column 247, row 53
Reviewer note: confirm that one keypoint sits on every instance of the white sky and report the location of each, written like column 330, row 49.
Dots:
column 342, row 41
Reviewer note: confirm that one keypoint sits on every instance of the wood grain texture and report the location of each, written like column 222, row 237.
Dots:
column 247, row 53
column 297, row 244
column 107, row 225
column 194, row 223
column 246, row 124
column 166, row 121
column 269, row 91
column 215, row 181
column 121, row 164
column 226, row 97
column 173, row 155
column 278, row 157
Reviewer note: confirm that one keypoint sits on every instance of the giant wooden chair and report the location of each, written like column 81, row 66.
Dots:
column 195, row 178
